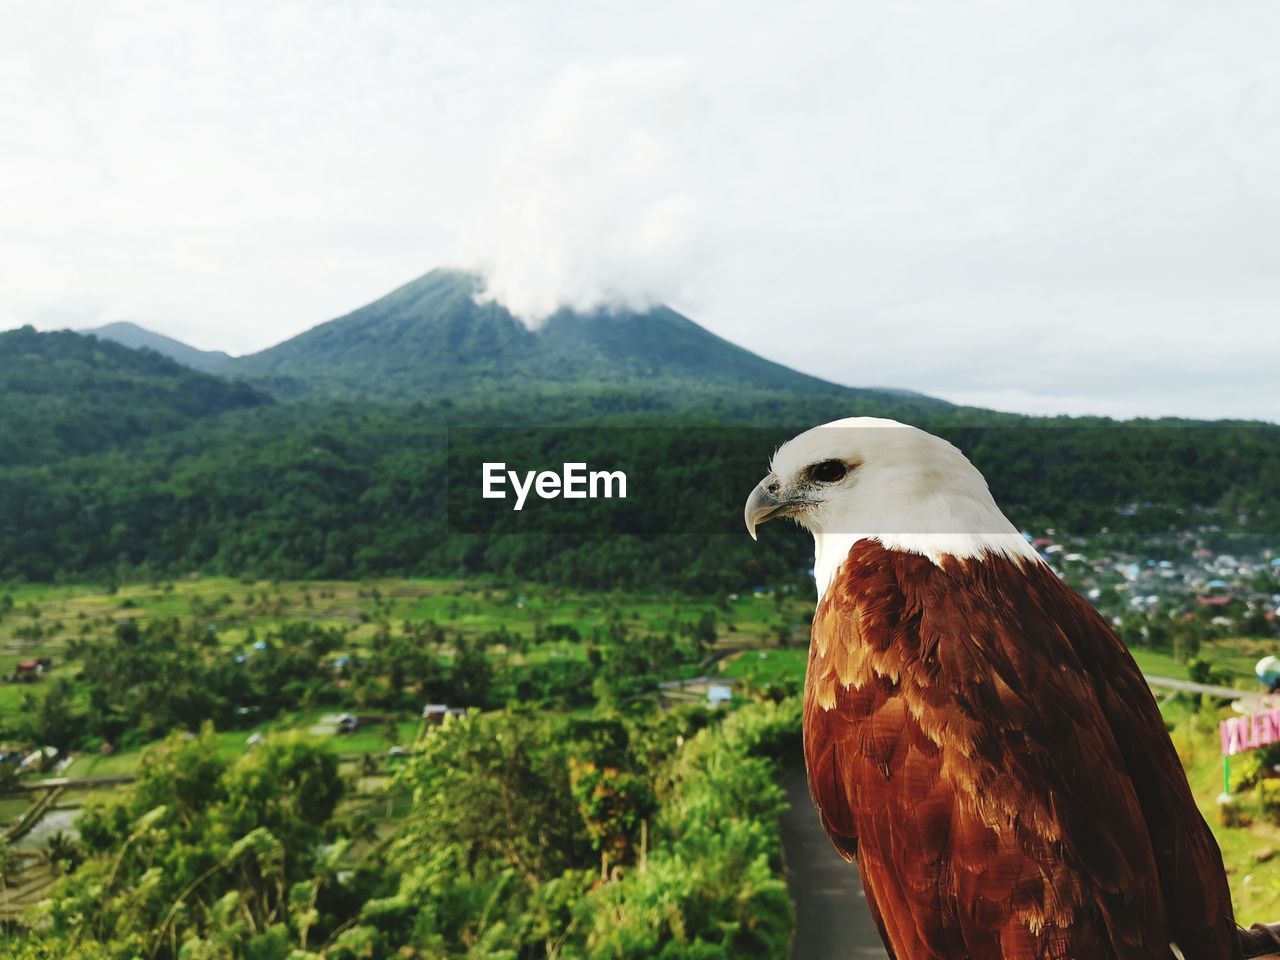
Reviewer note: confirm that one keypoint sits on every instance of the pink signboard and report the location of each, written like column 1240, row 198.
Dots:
column 1247, row 733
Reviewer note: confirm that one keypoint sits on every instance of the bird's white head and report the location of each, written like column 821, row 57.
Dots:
column 867, row 478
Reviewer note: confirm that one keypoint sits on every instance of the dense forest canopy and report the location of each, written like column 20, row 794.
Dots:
column 97, row 480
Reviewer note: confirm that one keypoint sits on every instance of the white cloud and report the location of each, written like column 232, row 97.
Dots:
column 589, row 201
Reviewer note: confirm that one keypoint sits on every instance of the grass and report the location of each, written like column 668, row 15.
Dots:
column 232, row 743
column 12, row 696
column 1251, row 853
column 46, row 619
column 104, row 765
column 11, row 808
column 1158, row 663
column 1235, row 656
column 765, row 667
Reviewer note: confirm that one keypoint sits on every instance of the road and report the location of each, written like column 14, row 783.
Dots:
column 75, row 783
column 1188, row 686
column 832, row 922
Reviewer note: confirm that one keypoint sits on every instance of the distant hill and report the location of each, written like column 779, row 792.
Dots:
column 431, row 338
column 62, row 394
column 139, row 338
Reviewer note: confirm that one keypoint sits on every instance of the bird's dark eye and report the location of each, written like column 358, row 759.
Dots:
column 828, row 471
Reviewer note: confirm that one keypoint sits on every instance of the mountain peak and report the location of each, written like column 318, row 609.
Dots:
column 131, row 335
column 434, row 336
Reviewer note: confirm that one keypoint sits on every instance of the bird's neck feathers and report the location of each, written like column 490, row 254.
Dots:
column 911, row 515
column 831, row 550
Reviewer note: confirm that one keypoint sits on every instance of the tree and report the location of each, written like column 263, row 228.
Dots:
column 613, row 804
column 470, row 674
column 705, row 630
column 204, row 851
column 495, row 785
column 1187, row 637
column 57, row 722
column 65, row 852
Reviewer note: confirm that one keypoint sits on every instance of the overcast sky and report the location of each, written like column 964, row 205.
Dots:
column 1053, row 207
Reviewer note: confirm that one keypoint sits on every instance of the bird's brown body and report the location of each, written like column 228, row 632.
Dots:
column 983, row 744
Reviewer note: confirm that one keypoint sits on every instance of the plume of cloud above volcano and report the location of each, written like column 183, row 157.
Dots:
column 589, row 201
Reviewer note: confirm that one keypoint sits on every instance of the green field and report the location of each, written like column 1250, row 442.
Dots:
column 47, row 620
column 59, row 614
column 1236, row 657
column 769, row 666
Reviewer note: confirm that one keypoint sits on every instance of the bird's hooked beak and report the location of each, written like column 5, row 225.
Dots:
column 766, row 502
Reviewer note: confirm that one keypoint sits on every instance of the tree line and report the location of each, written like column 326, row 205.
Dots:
column 340, row 491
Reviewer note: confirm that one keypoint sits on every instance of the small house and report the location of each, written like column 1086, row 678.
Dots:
column 27, row 671
column 718, row 694
column 435, row 712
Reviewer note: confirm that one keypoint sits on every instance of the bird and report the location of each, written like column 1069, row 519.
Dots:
column 976, row 735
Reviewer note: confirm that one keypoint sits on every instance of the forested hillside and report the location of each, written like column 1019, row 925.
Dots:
column 336, row 490
column 62, row 394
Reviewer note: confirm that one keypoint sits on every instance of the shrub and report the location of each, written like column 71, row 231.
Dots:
column 1269, row 799
column 1230, row 814
column 1249, row 769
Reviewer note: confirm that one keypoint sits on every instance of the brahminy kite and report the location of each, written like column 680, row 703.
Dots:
column 975, row 734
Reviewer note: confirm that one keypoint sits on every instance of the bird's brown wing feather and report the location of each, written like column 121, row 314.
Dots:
column 960, row 742
column 1193, row 881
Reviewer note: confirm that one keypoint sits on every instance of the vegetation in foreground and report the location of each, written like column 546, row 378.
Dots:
column 633, row 834
column 257, row 830
column 565, row 814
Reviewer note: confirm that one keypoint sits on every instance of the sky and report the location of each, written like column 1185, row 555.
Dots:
column 1061, row 207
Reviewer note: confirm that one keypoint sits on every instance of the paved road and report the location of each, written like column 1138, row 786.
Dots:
column 75, row 783
column 832, row 922
column 1187, row 686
